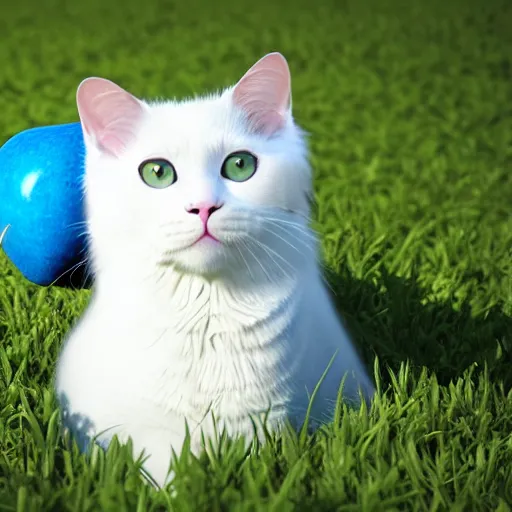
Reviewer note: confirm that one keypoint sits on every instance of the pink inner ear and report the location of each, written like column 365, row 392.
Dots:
column 109, row 114
column 264, row 93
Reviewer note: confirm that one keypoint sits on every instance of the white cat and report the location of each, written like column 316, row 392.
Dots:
column 208, row 294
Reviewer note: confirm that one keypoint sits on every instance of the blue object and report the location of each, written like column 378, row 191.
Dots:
column 41, row 200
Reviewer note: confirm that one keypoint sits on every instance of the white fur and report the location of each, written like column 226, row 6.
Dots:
column 175, row 333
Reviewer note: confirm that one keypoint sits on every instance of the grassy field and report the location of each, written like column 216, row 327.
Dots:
column 409, row 107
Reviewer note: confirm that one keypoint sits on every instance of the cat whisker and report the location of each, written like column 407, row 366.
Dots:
column 313, row 238
column 83, row 234
column 77, row 224
column 176, row 234
column 324, row 279
column 245, row 261
column 271, row 251
column 179, row 243
column 305, row 244
column 88, row 272
column 246, row 245
column 72, row 269
column 286, row 211
column 306, row 230
column 310, row 245
column 302, row 235
column 287, row 242
column 180, row 235
column 170, row 224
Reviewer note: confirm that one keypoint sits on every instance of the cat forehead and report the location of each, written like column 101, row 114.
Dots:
column 200, row 125
column 198, row 114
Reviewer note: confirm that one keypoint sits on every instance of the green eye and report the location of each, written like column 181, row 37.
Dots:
column 157, row 173
column 239, row 166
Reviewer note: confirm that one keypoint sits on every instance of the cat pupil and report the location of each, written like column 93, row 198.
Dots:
column 239, row 163
column 158, row 170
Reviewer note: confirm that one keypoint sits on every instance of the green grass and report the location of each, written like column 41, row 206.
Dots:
column 409, row 107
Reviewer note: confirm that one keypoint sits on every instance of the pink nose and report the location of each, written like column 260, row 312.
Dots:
column 204, row 210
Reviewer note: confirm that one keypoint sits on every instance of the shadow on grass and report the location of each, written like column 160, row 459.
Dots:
column 391, row 322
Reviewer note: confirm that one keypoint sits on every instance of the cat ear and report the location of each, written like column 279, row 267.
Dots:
column 264, row 93
column 109, row 114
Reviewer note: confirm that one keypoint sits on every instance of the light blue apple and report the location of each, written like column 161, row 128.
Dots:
column 41, row 202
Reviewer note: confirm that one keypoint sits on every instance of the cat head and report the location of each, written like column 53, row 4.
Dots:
column 212, row 185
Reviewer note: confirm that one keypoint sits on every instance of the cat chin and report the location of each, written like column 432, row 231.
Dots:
column 206, row 257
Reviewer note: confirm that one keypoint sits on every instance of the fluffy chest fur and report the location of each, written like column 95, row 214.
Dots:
column 225, row 350
column 207, row 350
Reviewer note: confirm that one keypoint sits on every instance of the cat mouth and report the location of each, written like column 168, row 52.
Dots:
column 207, row 236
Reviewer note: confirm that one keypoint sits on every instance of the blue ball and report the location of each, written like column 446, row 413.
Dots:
column 41, row 200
